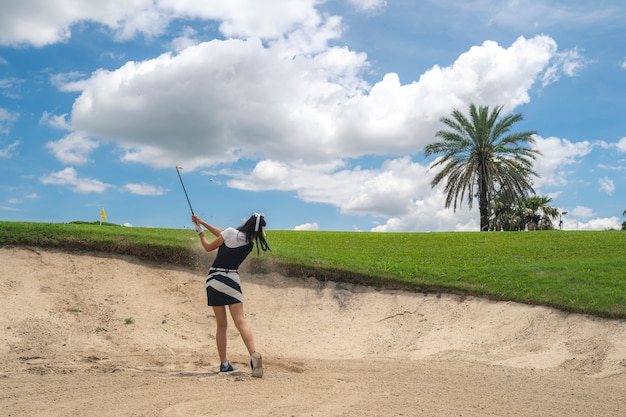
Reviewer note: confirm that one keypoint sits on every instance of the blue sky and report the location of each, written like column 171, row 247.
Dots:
column 314, row 113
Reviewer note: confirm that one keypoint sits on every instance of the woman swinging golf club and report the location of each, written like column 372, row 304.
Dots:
column 223, row 286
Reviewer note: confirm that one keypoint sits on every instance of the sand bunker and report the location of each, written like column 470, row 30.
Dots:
column 103, row 335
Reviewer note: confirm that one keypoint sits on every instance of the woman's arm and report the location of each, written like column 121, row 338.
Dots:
column 206, row 244
column 210, row 245
column 214, row 230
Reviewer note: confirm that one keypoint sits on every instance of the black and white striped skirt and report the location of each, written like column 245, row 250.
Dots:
column 223, row 287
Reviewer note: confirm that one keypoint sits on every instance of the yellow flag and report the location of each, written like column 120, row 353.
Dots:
column 103, row 214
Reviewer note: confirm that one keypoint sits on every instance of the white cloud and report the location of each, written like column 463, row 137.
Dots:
column 10, row 150
column 567, row 63
column 606, row 185
column 613, row 167
column 242, row 99
column 307, row 226
column 621, row 145
column 11, row 87
column 31, row 196
column 593, row 224
column 143, row 189
column 582, row 212
column 185, row 40
column 69, row 178
column 41, row 22
column 583, row 218
column 429, row 214
column 571, row 61
column 538, row 14
column 7, row 118
column 369, row 5
column 624, row 64
column 389, row 190
column 399, row 191
column 195, row 98
column 68, row 81
column 73, row 148
column 56, row 121
column 558, row 154
column 248, row 18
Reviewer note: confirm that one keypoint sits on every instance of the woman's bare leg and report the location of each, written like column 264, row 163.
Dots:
column 220, row 334
column 236, row 312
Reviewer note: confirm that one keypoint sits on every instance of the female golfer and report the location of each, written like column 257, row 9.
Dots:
column 223, row 286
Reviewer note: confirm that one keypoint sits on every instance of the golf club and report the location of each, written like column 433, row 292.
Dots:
column 181, row 183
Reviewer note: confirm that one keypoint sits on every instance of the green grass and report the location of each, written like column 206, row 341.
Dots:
column 168, row 245
column 571, row 270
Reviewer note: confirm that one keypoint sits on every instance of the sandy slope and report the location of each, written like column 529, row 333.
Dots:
column 329, row 349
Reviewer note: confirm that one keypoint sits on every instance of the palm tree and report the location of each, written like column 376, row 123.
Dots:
column 539, row 214
column 505, row 215
column 481, row 153
column 532, row 213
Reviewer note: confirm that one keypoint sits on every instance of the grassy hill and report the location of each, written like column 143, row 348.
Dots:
column 576, row 271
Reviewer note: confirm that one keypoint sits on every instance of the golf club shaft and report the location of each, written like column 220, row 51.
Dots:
column 181, row 183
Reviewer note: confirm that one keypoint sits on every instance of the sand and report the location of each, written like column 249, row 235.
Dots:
column 90, row 334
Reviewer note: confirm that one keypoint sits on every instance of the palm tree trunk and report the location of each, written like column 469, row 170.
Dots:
column 483, row 202
column 484, row 214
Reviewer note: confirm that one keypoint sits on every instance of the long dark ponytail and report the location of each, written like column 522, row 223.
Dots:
column 254, row 228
